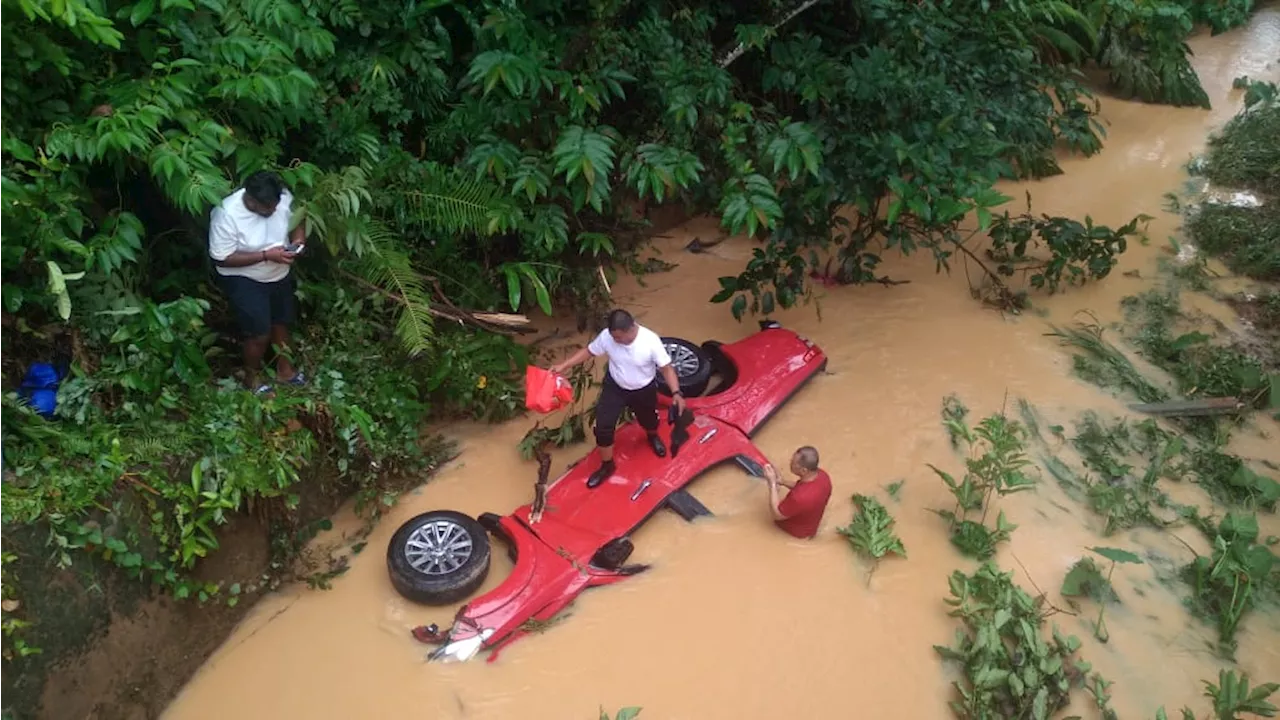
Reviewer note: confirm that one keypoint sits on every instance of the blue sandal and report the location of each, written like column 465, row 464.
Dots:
column 299, row 379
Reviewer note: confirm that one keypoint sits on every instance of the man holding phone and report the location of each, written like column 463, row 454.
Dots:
column 253, row 248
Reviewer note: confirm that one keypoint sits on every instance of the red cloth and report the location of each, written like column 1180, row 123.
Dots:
column 545, row 391
column 804, row 506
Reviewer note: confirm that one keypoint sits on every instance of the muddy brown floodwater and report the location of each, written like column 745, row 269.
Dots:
column 737, row 620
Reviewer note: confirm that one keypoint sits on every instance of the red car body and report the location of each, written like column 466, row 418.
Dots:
column 554, row 556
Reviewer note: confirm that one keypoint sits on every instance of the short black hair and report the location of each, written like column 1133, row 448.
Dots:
column 620, row 320
column 264, row 187
column 807, row 456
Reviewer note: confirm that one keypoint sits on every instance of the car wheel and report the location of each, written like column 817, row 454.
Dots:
column 438, row 557
column 692, row 364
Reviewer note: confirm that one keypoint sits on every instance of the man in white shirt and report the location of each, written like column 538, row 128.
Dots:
column 250, row 242
column 636, row 356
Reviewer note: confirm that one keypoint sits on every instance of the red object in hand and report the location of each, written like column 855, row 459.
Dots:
column 545, row 391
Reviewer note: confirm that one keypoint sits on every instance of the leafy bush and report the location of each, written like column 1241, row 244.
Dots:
column 142, row 475
column 1229, row 583
column 996, row 465
column 1010, row 668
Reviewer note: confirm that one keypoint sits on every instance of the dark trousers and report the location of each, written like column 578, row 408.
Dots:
column 613, row 398
column 260, row 305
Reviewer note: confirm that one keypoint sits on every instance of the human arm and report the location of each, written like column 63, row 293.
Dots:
column 245, row 258
column 298, row 235
column 673, row 382
column 224, row 248
column 775, row 500
column 574, row 360
column 771, row 474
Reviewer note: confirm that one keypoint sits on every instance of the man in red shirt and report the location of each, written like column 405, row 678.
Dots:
column 800, row 513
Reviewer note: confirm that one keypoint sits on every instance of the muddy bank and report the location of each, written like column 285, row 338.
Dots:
column 111, row 647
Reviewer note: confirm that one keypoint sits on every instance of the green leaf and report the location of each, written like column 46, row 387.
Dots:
column 1117, row 555
column 12, row 297
column 513, row 288
column 141, row 11
column 627, row 713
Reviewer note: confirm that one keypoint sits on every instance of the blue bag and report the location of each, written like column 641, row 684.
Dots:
column 40, row 388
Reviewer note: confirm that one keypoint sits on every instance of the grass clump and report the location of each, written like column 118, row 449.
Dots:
column 1246, row 238
column 1245, row 154
column 1114, row 453
column 1102, row 364
column 1199, row 367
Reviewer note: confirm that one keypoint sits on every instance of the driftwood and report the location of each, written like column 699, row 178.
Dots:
column 503, row 323
column 1192, row 408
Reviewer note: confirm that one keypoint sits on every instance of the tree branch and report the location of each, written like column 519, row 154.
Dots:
column 503, row 323
column 741, row 48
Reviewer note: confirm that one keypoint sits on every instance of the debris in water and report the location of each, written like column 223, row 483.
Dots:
column 1191, row 408
column 540, row 487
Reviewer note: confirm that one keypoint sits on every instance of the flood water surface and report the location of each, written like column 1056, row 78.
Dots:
column 737, row 620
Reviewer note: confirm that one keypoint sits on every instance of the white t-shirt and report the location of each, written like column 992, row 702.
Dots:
column 632, row 366
column 234, row 227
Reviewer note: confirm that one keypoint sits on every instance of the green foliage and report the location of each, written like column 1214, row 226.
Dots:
column 1010, row 668
column 1241, row 236
column 450, row 159
column 1199, row 367
column 148, row 490
column 1078, row 251
column 1228, row 584
column 1085, row 579
column 13, row 626
column 1102, row 364
column 626, row 713
column 1233, row 696
column 870, row 531
column 996, row 465
column 1241, row 155
column 1119, row 494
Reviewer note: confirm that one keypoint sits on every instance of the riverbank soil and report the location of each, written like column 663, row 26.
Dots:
column 737, row 621
column 111, row 648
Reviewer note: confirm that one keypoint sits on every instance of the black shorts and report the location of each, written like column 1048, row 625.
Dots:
column 613, row 398
column 260, row 305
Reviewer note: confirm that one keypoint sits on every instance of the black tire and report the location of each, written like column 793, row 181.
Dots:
column 447, row 584
column 693, row 366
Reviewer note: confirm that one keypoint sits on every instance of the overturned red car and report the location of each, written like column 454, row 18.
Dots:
column 581, row 539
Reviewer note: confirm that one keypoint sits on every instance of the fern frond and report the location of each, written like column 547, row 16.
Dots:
column 386, row 265
column 443, row 199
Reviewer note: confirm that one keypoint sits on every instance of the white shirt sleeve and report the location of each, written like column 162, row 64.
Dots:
column 597, row 346
column 222, row 235
column 660, row 355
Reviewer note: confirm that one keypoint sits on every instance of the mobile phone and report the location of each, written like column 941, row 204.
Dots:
column 295, row 249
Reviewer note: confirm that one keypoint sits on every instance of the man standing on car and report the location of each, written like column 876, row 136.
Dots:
column 636, row 356
column 250, row 242
column 800, row 513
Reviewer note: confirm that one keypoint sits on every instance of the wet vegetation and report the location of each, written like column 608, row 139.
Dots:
column 1011, row 668
column 1122, row 464
column 870, row 533
column 996, row 466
